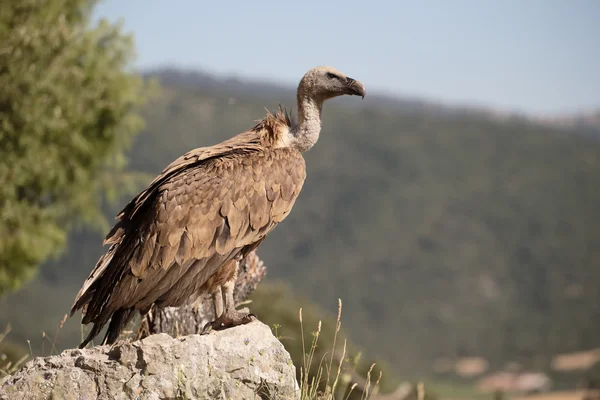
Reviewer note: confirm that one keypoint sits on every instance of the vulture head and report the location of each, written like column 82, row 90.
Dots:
column 323, row 83
column 316, row 86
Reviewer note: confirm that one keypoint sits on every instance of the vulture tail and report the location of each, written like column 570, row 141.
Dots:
column 93, row 333
column 118, row 321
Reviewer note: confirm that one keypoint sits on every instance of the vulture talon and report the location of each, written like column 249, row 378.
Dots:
column 207, row 329
column 228, row 320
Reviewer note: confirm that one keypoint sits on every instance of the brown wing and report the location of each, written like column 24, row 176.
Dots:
column 201, row 212
column 129, row 218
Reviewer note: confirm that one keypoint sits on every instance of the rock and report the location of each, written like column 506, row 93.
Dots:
column 244, row 362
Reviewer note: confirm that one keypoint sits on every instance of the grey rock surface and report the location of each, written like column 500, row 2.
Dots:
column 245, row 362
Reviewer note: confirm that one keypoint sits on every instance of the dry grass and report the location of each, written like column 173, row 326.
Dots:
column 324, row 386
column 7, row 366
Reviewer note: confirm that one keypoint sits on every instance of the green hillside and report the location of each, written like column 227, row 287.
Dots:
column 446, row 232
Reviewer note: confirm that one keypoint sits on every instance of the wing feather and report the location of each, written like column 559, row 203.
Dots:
column 206, row 208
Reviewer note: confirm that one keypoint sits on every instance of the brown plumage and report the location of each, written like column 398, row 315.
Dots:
column 184, row 235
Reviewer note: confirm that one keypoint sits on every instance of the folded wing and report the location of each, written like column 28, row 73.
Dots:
column 206, row 208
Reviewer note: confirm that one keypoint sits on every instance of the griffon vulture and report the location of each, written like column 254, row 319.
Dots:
column 186, row 233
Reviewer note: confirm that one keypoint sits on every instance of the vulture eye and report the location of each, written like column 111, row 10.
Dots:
column 331, row 76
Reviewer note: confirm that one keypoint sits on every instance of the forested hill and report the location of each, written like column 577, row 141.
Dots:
column 447, row 232
column 199, row 80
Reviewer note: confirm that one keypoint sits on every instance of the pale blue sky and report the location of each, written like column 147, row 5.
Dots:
column 537, row 56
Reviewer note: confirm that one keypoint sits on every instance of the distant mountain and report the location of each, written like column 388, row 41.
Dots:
column 585, row 123
column 196, row 79
column 448, row 232
column 579, row 123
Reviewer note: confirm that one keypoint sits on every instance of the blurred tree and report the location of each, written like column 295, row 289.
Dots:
column 67, row 114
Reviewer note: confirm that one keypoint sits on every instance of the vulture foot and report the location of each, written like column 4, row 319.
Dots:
column 229, row 319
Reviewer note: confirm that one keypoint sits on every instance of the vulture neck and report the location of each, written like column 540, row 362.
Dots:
column 306, row 133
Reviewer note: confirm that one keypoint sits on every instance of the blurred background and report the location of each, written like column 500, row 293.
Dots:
column 455, row 210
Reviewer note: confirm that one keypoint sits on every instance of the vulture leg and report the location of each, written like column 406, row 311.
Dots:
column 230, row 317
column 217, row 298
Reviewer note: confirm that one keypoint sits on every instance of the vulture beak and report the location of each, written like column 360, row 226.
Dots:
column 355, row 88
